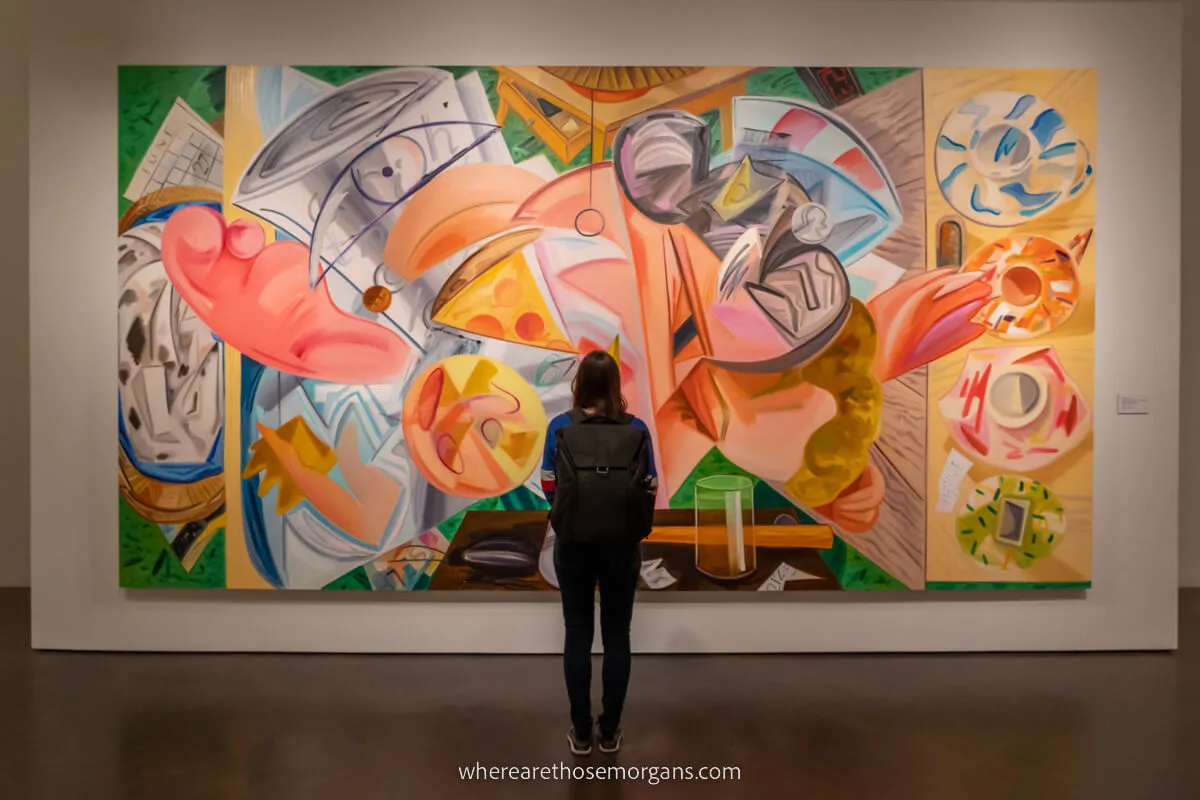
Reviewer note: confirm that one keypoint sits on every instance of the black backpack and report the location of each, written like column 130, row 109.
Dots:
column 601, row 468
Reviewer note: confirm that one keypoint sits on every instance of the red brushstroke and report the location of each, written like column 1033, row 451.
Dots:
column 855, row 162
column 1043, row 355
column 976, row 392
column 799, row 126
column 975, row 442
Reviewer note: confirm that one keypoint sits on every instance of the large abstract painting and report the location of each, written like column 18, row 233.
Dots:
column 855, row 307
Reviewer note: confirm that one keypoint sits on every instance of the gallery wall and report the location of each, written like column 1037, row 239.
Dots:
column 1189, row 424
column 76, row 602
column 14, row 305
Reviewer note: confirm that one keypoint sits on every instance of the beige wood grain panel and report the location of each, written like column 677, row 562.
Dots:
column 890, row 120
column 1073, row 93
column 915, row 381
column 902, row 441
column 906, row 247
column 897, row 541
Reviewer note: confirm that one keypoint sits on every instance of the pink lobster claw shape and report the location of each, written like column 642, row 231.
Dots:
column 257, row 298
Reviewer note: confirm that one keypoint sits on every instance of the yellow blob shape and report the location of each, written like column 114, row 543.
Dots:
column 292, row 440
column 614, row 350
column 480, row 434
column 837, row 453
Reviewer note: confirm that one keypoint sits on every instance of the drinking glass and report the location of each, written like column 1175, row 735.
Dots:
column 725, row 526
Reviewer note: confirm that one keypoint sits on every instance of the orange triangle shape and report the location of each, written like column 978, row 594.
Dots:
column 703, row 398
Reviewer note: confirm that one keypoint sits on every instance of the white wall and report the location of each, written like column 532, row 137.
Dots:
column 76, row 603
column 14, row 296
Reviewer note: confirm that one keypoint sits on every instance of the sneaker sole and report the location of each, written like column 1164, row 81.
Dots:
column 576, row 749
column 610, row 750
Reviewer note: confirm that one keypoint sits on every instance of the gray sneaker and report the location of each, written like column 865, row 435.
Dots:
column 579, row 745
column 608, row 744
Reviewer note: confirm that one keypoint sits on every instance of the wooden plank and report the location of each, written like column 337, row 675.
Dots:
column 897, row 542
column 906, row 247
column 902, row 441
column 890, row 120
column 916, row 381
column 819, row 537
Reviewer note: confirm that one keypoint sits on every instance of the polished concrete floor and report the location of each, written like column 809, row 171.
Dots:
column 238, row 726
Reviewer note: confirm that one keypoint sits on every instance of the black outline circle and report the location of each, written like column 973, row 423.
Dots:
column 603, row 222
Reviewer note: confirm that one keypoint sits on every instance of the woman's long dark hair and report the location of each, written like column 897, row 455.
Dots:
column 597, row 385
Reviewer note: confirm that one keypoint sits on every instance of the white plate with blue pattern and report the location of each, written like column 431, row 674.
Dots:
column 1005, row 158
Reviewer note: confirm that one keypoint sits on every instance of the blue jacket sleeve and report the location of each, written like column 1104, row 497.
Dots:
column 653, row 485
column 548, row 477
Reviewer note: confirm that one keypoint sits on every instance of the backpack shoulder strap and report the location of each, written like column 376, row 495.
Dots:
column 576, row 416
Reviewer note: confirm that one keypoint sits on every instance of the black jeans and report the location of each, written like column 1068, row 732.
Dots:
column 580, row 567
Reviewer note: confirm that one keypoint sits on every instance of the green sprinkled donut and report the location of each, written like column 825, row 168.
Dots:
column 978, row 522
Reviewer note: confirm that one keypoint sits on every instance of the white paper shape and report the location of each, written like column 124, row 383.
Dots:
column 783, row 573
column 655, row 575
column 953, row 471
column 186, row 151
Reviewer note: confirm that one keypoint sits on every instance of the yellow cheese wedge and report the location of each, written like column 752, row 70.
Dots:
column 504, row 302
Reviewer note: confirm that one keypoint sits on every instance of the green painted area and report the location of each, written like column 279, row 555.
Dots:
column 786, row 82
column 713, row 120
column 871, row 78
column 714, row 462
column 145, row 95
column 779, row 82
column 355, row 580
column 854, row 571
column 337, row 75
column 957, row 586
column 148, row 562
column 519, row 499
column 524, row 145
column 857, row 573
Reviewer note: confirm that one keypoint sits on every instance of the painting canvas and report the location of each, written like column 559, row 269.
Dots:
column 854, row 306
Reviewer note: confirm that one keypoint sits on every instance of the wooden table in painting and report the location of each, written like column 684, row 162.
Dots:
column 556, row 102
column 521, row 534
column 890, row 119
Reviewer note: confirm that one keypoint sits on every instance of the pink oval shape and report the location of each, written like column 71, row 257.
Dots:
column 245, row 239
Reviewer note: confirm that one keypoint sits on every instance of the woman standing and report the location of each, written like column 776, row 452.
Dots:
column 598, row 474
